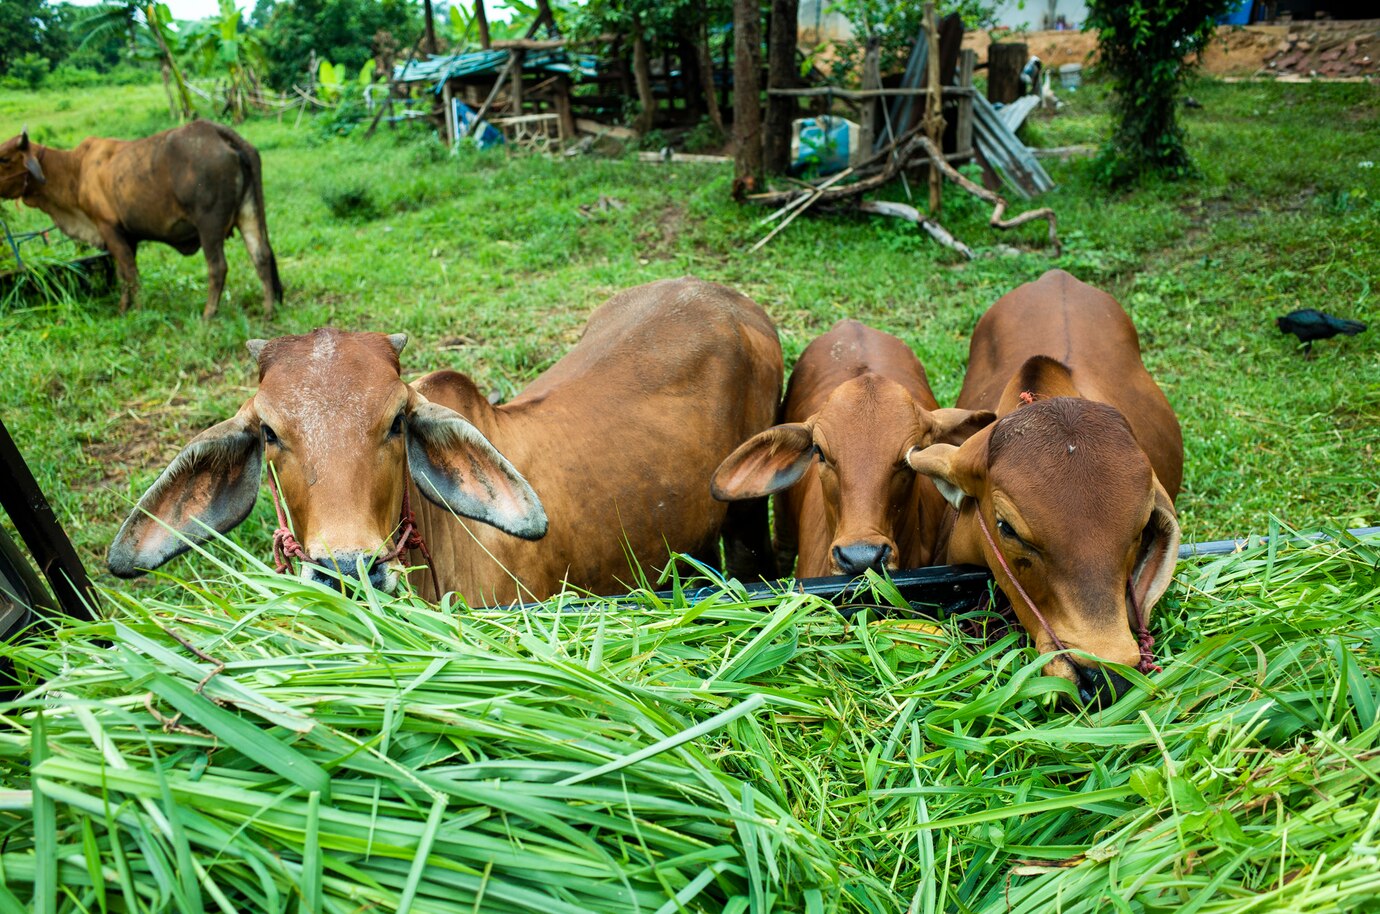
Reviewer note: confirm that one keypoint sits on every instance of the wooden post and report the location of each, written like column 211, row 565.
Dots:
column 934, row 105
column 561, row 96
column 1004, row 63
column 871, row 79
column 452, row 128
column 515, row 94
column 481, row 18
column 747, row 102
column 642, row 76
column 780, row 75
column 430, row 26
column 967, row 61
column 706, row 68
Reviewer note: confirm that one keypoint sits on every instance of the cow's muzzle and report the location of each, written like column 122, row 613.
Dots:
column 856, row 558
column 329, row 571
column 1099, row 687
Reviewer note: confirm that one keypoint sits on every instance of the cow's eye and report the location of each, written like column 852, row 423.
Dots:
column 396, row 428
column 270, row 436
column 1008, row 531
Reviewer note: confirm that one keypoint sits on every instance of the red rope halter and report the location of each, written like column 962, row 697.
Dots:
column 286, row 547
column 1144, row 639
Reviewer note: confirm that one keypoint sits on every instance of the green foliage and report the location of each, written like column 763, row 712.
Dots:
column 336, row 30
column 361, row 751
column 222, row 47
column 351, row 202
column 1144, row 48
column 30, row 69
column 896, row 23
column 30, row 28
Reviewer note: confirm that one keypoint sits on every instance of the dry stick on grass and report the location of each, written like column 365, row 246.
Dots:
column 910, row 213
column 998, row 203
column 826, row 192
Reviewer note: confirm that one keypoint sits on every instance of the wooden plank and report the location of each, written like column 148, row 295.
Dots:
column 967, row 61
column 37, row 525
column 862, row 94
column 585, row 125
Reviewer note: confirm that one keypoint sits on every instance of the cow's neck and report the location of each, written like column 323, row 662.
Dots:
column 59, row 195
column 934, row 523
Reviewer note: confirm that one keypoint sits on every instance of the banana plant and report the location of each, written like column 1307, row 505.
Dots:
column 221, row 47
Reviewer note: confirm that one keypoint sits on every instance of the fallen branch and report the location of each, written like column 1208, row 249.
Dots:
column 911, row 214
column 998, row 202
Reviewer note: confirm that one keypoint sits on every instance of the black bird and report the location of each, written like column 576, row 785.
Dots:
column 1309, row 324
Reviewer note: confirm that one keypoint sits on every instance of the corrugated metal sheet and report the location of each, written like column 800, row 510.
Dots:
column 1005, row 152
column 437, row 70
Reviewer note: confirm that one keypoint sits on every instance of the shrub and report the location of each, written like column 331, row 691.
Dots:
column 30, row 69
column 1144, row 46
column 352, row 203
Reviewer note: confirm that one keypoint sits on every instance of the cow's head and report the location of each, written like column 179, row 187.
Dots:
column 1075, row 509
column 334, row 421
column 860, row 437
column 19, row 167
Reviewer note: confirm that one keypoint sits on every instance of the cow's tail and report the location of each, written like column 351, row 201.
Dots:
column 253, row 218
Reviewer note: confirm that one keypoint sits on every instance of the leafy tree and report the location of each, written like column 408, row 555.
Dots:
column 30, row 27
column 335, row 30
column 1144, row 46
column 31, row 69
column 222, row 47
column 895, row 23
column 147, row 27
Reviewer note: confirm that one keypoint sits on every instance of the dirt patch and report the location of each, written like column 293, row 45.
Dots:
column 1323, row 49
column 659, row 240
column 141, row 445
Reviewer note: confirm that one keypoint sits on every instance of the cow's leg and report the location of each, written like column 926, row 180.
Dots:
column 748, row 553
column 213, row 244
column 123, row 250
column 255, row 235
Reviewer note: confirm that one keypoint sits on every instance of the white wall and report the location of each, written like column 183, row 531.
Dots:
column 1040, row 14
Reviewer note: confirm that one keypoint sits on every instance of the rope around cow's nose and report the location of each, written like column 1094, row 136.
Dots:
column 286, row 547
column 1144, row 640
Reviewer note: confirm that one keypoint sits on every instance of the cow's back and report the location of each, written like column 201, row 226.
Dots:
column 848, row 350
column 1089, row 332
column 621, row 436
column 159, row 187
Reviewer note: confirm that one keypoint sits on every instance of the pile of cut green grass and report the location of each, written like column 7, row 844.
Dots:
column 320, row 753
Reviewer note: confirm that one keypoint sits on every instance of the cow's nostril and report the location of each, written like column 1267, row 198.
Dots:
column 329, row 570
column 1098, row 687
column 855, row 558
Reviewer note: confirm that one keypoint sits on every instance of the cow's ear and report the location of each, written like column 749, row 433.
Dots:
column 457, row 468
column 1159, row 554
column 766, row 463
column 958, row 472
column 955, row 426
column 210, row 486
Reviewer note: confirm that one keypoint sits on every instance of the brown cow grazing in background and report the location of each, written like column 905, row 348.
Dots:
column 608, row 453
column 1069, row 496
column 187, row 187
column 858, row 401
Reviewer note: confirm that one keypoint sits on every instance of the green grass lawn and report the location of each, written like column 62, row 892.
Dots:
column 487, row 263
column 738, row 755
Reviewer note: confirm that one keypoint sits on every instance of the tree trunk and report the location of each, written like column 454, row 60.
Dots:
column 706, row 68
column 430, row 41
column 481, row 19
column 780, row 75
column 1004, row 63
column 747, row 101
column 642, row 75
